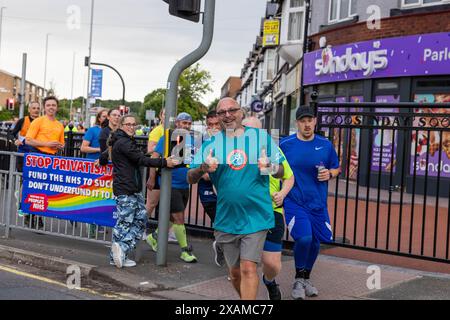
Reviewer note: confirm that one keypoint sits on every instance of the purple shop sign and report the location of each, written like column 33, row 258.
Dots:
column 425, row 54
column 383, row 147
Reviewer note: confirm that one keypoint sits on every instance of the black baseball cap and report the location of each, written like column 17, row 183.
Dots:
column 304, row 111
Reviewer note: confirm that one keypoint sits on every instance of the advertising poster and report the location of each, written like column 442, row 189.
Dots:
column 431, row 139
column 383, row 147
column 354, row 142
column 339, row 142
column 68, row 188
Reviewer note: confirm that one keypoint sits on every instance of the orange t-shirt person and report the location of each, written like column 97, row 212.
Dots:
column 46, row 133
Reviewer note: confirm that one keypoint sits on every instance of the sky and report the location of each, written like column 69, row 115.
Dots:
column 137, row 37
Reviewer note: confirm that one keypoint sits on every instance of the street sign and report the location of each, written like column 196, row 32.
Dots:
column 271, row 32
column 150, row 115
column 257, row 106
column 96, row 83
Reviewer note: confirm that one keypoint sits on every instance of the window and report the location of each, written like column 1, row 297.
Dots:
column 296, row 14
column 341, row 10
column 269, row 65
column 418, row 3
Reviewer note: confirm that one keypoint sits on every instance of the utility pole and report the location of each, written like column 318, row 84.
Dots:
column 88, row 96
column 302, row 99
column 22, row 87
column 45, row 64
column 71, row 91
column 171, row 105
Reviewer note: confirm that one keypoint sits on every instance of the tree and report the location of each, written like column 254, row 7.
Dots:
column 194, row 83
column 212, row 106
column 153, row 101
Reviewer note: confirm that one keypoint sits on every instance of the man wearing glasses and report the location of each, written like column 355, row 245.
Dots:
column 239, row 161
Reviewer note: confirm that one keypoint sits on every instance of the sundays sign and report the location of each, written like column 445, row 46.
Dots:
column 426, row 54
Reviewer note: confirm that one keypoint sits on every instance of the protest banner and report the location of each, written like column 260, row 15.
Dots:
column 68, row 188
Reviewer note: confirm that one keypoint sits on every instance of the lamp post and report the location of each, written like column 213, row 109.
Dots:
column 45, row 64
column 88, row 96
column 71, row 91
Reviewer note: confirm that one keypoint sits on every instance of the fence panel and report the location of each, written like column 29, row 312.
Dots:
column 393, row 192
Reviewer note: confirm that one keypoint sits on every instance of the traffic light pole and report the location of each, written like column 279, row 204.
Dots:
column 171, row 105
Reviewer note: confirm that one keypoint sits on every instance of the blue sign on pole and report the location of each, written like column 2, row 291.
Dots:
column 96, row 83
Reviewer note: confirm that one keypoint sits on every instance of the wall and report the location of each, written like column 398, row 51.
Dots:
column 320, row 11
column 390, row 27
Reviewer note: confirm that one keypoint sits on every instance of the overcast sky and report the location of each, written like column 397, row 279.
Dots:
column 138, row 37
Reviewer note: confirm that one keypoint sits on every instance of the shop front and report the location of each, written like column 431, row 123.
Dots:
column 391, row 70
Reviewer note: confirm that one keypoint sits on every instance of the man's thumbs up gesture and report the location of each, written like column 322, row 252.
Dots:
column 211, row 163
column 264, row 163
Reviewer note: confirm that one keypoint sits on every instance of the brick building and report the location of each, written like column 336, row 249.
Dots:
column 231, row 87
column 10, row 89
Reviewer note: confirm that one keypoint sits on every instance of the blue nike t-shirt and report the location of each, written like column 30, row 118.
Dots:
column 304, row 157
column 244, row 205
column 92, row 136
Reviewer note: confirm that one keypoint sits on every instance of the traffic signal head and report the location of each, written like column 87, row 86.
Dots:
column 185, row 9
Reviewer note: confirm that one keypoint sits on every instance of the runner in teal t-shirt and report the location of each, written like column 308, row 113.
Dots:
column 239, row 162
column 244, row 204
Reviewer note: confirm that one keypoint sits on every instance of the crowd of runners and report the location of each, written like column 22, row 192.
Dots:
column 249, row 186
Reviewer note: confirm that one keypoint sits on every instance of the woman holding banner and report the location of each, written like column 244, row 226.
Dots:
column 127, row 186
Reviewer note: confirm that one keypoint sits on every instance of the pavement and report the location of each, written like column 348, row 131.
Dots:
column 336, row 278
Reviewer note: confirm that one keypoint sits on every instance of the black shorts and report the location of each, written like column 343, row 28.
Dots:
column 210, row 209
column 276, row 234
column 179, row 200
column 157, row 186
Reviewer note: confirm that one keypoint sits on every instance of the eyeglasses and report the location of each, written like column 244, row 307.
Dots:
column 230, row 111
column 129, row 125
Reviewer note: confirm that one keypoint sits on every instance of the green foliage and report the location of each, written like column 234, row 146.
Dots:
column 193, row 85
column 64, row 106
column 212, row 106
column 6, row 115
column 153, row 101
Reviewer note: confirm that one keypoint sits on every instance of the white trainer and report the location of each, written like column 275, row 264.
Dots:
column 118, row 255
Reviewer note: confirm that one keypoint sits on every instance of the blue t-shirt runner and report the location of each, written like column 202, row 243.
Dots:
column 306, row 205
column 92, row 135
column 244, row 205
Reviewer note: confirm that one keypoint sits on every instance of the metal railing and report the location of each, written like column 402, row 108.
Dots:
column 381, row 202
column 393, row 194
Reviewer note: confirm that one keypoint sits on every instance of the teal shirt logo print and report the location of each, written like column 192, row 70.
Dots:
column 237, row 159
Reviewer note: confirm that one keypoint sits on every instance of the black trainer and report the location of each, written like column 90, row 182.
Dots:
column 274, row 290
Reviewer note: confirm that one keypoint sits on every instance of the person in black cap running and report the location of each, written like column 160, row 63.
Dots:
column 314, row 162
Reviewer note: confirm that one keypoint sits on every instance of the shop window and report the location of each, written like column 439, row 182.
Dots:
column 342, row 89
column 341, row 10
column 429, row 155
column 326, row 90
column 433, row 83
column 421, row 3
